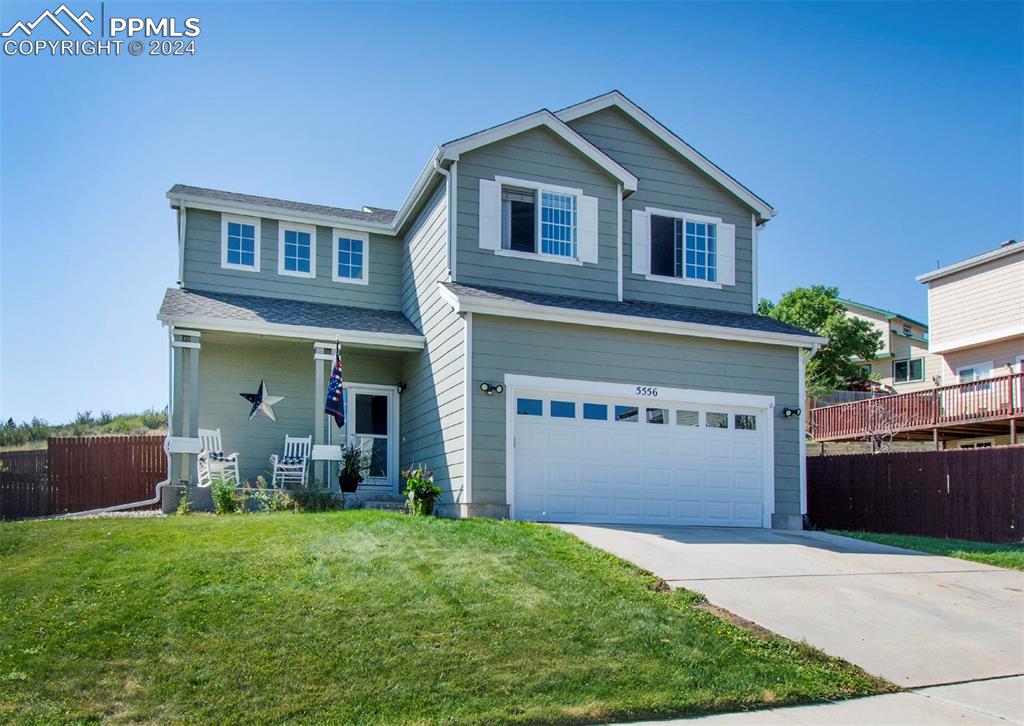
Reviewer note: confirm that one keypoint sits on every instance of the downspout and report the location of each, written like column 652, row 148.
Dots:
column 182, row 219
column 448, row 194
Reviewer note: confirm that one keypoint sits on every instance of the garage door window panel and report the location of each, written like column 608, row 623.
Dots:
column 529, row 407
column 627, row 414
column 563, row 409
column 685, row 417
column 657, row 416
column 745, row 422
column 716, row 420
column 595, row 411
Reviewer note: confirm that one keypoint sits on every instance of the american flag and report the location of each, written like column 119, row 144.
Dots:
column 335, row 405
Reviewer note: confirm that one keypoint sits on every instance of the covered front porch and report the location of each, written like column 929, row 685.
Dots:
column 215, row 359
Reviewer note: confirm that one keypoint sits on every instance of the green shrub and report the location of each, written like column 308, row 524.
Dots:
column 226, row 498
column 269, row 500
column 184, row 504
column 420, row 491
column 314, row 498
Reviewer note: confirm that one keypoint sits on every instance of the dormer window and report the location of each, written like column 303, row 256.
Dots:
column 239, row 243
column 521, row 218
column 906, row 329
column 351, row 257
column 296, row 250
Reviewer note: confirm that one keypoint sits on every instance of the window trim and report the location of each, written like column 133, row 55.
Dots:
column 685, row 216
column 283, row 227
column 338, row 233
column 239, row 219
column 987, row 364
column 908, row 361
column 538, row 188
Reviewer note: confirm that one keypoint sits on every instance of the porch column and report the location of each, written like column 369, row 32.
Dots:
column 183, row 416
column 323, row 361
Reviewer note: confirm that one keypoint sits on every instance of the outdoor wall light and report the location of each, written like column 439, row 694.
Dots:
column 401, row 388
column 790, row 412
column 491, row 388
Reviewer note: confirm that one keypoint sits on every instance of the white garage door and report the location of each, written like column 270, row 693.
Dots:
column 582, row 457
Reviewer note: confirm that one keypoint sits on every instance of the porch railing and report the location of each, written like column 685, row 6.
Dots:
column 961, row 403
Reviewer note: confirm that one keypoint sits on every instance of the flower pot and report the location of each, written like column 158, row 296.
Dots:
column 348, row 482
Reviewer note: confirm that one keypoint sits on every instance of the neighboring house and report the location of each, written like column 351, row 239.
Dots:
column 976, row 313
column 902, row 364
column 973, row 395
column 559, row 321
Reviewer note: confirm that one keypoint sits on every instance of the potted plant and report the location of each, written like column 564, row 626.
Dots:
column 420, row 490
column 354, row 463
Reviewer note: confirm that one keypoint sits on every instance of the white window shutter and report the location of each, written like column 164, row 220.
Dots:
column 490, row 214
column 641, row 233
column 726, row 254
column 586, row 234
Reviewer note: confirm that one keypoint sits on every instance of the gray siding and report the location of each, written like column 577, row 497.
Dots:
column 203, row 270
column 230, row 364
column 535, row 155
column 502, row 345
column 432, row 406
column 668, row 181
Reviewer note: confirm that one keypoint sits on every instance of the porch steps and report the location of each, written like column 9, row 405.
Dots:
column 385, row 502
column 389, row 506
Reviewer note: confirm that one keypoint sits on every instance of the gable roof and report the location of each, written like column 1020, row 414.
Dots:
column 1006, row 248
column 888, row 314
column 451, row 150
column 367, row 214
column 617, row 100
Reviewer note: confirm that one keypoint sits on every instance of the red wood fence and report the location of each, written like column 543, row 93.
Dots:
column 974, row 494
column 82, row 473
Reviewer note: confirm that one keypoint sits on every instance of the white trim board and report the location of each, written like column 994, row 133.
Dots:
column 532, row 311
column 981, row 259
column 395, row 341
column 619, row 101
column 969, row 341
column 453, row 149
column 699, row 397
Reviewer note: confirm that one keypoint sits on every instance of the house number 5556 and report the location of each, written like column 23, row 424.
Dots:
column 647, row 391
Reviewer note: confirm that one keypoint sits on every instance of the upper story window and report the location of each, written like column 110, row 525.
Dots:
column 296, row 250
column 906, row 329
column 908, row 371
column 522, row 218
column 350, row 257
column 239, row 243
column 683, row 248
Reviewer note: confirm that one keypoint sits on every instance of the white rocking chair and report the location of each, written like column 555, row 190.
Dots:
column 215, row 461
column 291, row 467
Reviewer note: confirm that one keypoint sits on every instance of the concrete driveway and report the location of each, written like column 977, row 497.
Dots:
column 914, row 619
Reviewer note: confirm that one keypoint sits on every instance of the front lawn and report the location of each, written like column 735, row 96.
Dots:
column 365, row 617
column 1000, row 555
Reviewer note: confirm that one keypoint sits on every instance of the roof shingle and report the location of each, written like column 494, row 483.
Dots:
column 653, row 311
column 379, row 215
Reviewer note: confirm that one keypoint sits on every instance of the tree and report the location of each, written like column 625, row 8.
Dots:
column 818, row 310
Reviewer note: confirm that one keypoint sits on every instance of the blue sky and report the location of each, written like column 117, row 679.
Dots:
column 887, row 136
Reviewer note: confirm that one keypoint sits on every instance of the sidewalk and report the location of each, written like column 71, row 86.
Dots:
column 994, row 701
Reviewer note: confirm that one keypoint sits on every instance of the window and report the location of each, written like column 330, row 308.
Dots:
column 350, row 255
column 866, row 370
column 684, row 248
column 657, row 415
column 529, row 407
column 687, row 418
column 239, row 243
column 716, row 420
column 595, row 411
column 906, row 329
column 296, row 250
column 627, row 413
column 529, row 214
column 745, row 422
column 908, row 370
column 563, row 409
column 977, row 444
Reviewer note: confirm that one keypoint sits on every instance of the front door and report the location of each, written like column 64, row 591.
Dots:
column 371, row 426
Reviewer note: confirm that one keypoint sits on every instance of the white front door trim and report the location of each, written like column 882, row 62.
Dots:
column 351, row 390
column 516, row 382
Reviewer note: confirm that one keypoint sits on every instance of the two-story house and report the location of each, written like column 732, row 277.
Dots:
column 559, row 321
column 903, row 363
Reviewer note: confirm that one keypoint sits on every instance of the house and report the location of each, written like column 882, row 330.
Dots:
column 559, row 321
column 973, row 393
column 976, row 310
column 902, row 364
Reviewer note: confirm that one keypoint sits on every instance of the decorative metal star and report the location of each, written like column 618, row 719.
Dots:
column 262, row 401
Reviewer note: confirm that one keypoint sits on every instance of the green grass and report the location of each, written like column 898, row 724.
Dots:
column 1000, row 555
column 366, row 617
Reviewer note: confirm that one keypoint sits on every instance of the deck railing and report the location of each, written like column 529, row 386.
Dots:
column 961, row 403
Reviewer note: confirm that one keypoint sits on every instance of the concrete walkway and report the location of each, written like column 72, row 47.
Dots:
column 917, row 620
column 998, row 701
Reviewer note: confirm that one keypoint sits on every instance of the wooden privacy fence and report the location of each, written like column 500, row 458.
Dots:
column 89, row 472
column 23, row 486
column 975, row 494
